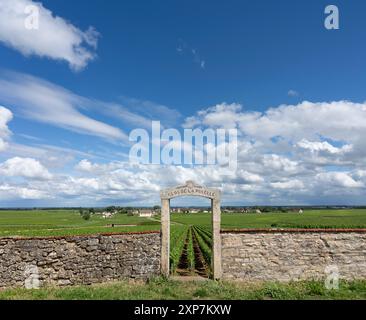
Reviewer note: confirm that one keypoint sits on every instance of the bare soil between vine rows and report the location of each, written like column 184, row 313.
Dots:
column 200, row 266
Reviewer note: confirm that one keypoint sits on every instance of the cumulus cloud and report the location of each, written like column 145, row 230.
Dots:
column 300, row 154
column 314, row 151
column 126, row 183
column 338, row 179
column 222, row 115
column 14, row 192
column 316, row 147
column 308, row 125
column 5, row 117
column 55, row 37
column 24, row 167
column 280, row 163
column 303, row 121
column 291, row 184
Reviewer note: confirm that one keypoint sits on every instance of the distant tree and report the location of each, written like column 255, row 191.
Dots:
column 85, row 214
column 157, row 208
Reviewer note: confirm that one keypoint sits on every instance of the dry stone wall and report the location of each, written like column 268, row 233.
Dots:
column 285, row 255
column 78, row 259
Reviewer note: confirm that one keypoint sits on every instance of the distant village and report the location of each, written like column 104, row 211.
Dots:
column 109, row 212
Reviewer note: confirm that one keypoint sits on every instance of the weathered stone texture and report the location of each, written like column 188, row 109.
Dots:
column 79, row 260
column 286, row 256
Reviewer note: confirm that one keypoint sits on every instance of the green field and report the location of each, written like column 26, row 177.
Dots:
column 190, row 254
column 69, row 222
column 352, row 218
column 191, row 237
column 161, row 289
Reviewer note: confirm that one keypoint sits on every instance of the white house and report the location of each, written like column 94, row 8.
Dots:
column 146, row 213
column 107, row 215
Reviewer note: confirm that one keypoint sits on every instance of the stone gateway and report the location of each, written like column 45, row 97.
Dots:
column 191, row 189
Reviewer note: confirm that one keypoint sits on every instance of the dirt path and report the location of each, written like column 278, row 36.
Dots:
column 201, row 267
column 182, row 268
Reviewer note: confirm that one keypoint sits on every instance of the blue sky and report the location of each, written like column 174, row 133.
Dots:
column 254, row 52
column 166, row 61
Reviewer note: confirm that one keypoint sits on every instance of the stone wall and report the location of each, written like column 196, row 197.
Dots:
column 284, row 255
column 78, row 259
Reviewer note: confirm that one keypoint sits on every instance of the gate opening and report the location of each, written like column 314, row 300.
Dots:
column 194, row 239
column 190, row 238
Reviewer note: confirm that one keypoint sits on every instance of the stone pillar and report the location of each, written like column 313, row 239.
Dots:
column 165, row 236
column 216, row 238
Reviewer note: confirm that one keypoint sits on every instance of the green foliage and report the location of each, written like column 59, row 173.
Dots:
column 43, row 223
column 345, row 218
column 67, row 222
column 315, row 288
column 190, row 251
column 276, row 291
column 205, row 248
column 86, row 214
column 160, row 288
column 178, row 235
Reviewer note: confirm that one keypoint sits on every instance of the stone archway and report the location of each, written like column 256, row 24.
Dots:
column 191, row 189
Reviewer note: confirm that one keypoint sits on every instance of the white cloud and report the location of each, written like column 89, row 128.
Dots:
column 13, row 192
column 85, row 165
column 143, row 112
column 49, row 155
column 222, row 115
column 338, row 179
column 248, row 177
column 55, row 38
column 338, row 121
column 122, row 183
column 316, row 146
column 292, row 93
column 311, row 164
column 24, row 167
column 284, row 129
column 45, row 102
column 291, row 184
column 5, row 117
column 280, row 163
